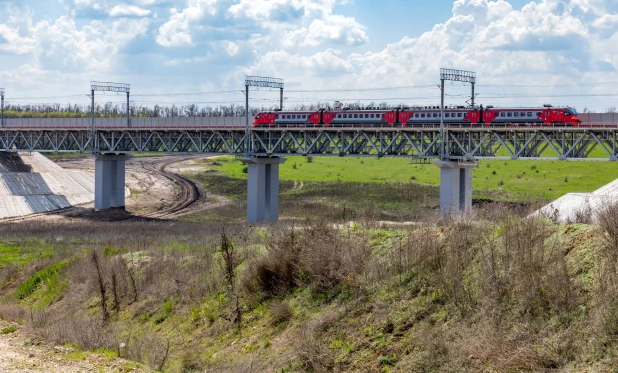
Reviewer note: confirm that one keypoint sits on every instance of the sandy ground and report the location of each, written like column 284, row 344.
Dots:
column 21, row 354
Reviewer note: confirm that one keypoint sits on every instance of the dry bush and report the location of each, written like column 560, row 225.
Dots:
column 252, row 364
column 8, row 273
column 583, row 215
column 607, row 304
column 12, row 312
column 318, row 255
column 329, row 258
column 525, row 269
column 280, row 312
column 277, row 271
column 314, row 354
column 86, row 332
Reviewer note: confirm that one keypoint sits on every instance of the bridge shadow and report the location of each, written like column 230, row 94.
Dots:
column 19, row 180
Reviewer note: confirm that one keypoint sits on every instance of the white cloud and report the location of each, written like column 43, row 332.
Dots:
column 230, row 47
column 177, row 30
column 545, row 42
column 332, row 28
column 606, row 21
column 128, row 10
column 94, row 45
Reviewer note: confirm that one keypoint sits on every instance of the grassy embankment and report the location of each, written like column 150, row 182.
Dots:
column 498, row 295
column 516, row 179
column 336, row 188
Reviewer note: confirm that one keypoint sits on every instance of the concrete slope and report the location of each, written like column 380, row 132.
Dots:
column 30, row 183
column 573, row 206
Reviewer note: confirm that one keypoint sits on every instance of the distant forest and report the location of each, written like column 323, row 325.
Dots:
column 109, row 109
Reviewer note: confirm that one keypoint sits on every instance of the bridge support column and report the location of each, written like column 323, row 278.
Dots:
column 109, row 180
column 455, row 187
column 263, row 188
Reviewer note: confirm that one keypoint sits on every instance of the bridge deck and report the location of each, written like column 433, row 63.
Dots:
column 596, row 142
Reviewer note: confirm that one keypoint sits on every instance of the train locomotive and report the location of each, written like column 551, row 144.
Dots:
column 421, row 116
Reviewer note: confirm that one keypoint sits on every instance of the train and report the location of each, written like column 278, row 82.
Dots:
column 547, row 115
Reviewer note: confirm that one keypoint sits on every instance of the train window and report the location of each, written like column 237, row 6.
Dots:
column 345, row 115
column 447, row 115
column 415, row 115
column 460, row 115
column 509, row 114
column 435, row 115
column 366, row 115
column 422, row 115
column 529, row 114
column 355, row 116
column 293, row 116
column 503, row 114
column 567, row 113
column 538, row 114
column 372, row 116
column 516, row 114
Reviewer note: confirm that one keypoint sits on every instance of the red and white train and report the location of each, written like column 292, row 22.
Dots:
column 422, row 116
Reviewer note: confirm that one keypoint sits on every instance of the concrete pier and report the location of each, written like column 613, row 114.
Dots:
column 109, row 180
column 263, row 188
column 455, row 187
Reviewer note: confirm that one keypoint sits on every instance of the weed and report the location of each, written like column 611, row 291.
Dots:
column 8, row 329
column 33, row 282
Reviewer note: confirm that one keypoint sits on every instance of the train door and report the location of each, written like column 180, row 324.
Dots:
column 314, row 118
column 327, row 118
column 390, row 117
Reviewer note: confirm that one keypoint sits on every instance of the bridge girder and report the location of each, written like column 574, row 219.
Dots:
column 461, row 143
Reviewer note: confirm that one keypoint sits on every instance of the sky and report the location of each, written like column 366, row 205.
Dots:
column 524, row 52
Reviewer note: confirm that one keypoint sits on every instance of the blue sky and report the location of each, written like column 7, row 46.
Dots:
column 525, row 52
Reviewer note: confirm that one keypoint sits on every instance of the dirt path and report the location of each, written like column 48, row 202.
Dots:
column 18, row 354
column 158, row 190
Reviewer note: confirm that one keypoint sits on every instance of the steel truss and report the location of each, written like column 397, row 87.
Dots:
column 419, row 143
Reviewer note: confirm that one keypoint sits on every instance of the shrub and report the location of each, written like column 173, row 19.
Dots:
column 277, row 271
column 279, row 312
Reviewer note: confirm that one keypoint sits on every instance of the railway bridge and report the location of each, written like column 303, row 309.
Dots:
column 112, row 141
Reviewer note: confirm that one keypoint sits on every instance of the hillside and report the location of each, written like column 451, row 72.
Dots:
column 497, row 294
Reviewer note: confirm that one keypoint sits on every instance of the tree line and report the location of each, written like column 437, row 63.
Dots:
column 114, row 110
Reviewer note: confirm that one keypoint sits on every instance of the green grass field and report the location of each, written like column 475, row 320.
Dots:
column 521, row 178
